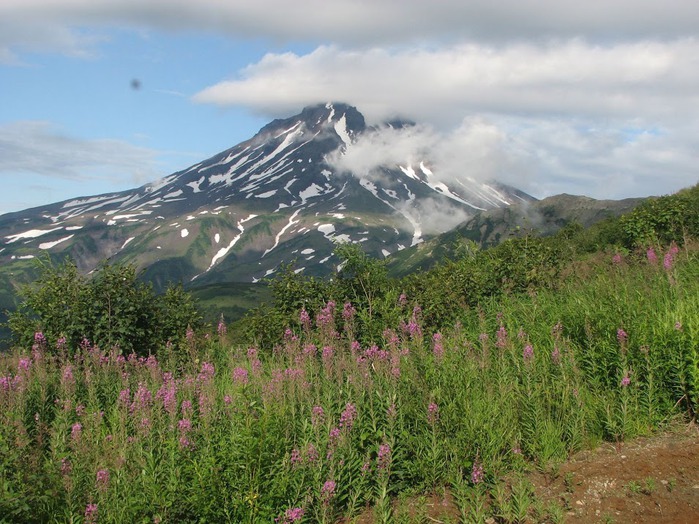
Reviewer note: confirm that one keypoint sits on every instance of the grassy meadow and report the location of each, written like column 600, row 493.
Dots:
column 319, row 427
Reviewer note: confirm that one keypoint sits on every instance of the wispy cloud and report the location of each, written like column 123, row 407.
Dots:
column 41, row 148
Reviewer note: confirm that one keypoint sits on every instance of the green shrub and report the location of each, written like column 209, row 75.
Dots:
column 111, row 309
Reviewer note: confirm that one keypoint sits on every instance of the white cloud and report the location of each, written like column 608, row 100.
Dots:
column 39, row 148
column 354, row 22
column 444, row 84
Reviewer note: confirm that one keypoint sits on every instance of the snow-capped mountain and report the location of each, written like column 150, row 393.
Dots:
column 239, row 215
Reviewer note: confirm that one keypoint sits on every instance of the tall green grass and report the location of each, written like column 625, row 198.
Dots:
column 319, row 427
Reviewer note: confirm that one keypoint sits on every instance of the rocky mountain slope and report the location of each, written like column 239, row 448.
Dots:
column 241, row 214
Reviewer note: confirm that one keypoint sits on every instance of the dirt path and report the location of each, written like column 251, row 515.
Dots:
column 649, row 480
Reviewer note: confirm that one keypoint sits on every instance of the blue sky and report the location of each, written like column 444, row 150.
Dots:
column 549, row 96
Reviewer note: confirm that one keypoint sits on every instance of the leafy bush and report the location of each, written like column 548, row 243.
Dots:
column 112, row 308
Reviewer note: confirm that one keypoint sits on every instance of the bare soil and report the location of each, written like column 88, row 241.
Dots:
column 646, row 480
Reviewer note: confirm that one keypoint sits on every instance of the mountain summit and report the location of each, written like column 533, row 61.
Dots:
column 241, row 214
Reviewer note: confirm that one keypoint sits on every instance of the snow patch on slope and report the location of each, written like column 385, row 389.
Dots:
column 49, row 245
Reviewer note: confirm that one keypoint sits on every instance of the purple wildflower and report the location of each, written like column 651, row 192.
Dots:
column 438, row 347
column 90, row 513
column 651, row 256
column 184, row 425
column 528, row 353
column 348, row 311
column 312, row 454
column 327, row 491
column 432, row 413
column 304, row 318
column 66, row 466
column 477, row 472
column 501, row 337
column 317, row 415
column 348, row 416
column 222, row 330
column 240, row 376
column 207, row 372
column 103, row 480
column 76, row 431
column 556, row 355
column 621, row 336
column 383, row 457
column 625, row 381
column 291, row 515
column 295, row 457
column 616, row 259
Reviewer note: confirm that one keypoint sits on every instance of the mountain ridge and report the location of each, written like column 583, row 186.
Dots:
column 242, row 213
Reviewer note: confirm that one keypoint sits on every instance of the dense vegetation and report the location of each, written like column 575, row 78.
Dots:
column 490, row 364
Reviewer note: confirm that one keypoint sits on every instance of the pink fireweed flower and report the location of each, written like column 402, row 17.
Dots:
column 556, row 355
column 348, row 416
column 391, row 338
column 348, row 311
column 477, row 472
column 67, row 378
column 501, row 337
column 651, row 256
column 621, row 336
column 168, row 395
column 66, row 466
column 432, row 413
column 102, row 482
column 24, row 364
column 528, row 353
column 189, row 334
column 76, row 431
column 186, row 407
column 328, row 353
column 291, row 515
column 334, row 436
column 668, row 260
column 222, row 330
column 616, row 259
column 310, row 350
column 91, row 513
column 304, row 318
column 61, row 344
column 152, row 362
column 383, row 457
column 142, row 398
column 326, row 315
column 625, row 381
column 327, row 491
column 312, row 454
column 125, row 397
column 317, row 415
column 402, row 300
column 207, row 373
column 295, row 458
column 437, row 346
